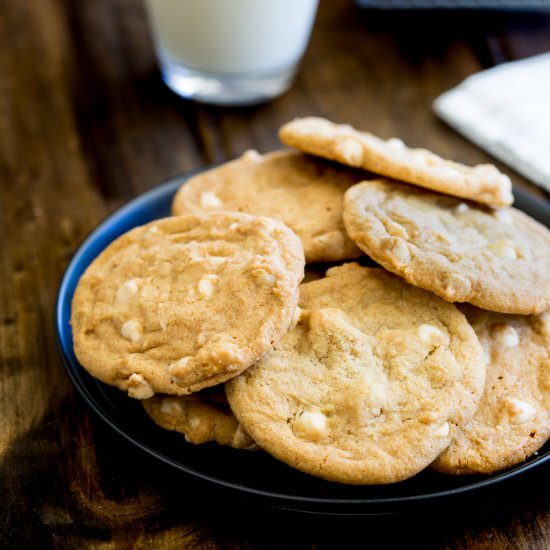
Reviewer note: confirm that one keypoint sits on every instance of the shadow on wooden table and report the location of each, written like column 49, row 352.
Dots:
column 104, row 491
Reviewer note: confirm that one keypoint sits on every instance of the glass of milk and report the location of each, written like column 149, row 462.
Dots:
column 230, row 52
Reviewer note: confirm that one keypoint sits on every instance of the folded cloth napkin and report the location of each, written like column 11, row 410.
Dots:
column 506, row 111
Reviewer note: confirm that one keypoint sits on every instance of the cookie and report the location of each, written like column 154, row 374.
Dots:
column 495, row 259
column 187, row 302
column 200, row 417
column 392, row 158
column 513, row 418
column 370, row 384
column 305, row 192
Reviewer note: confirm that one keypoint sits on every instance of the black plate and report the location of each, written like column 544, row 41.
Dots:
column 253, row 475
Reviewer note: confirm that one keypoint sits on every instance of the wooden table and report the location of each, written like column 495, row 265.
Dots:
column 86, row 124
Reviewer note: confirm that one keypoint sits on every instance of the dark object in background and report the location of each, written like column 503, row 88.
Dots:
column 456, row 4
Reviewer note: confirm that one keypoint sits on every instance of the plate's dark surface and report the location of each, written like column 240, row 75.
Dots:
column 254, row 475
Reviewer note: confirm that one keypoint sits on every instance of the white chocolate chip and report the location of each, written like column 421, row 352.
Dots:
column 311, row 425
column 132, row 330
column 202, row 338
column 448, row 171
column 443, row 430
column 126, row 290
column 505, row 335
column 419, row 157
column 209, row 199
column 396, row 144
column 351, row 151
column 171, row 406
column 504, row 215
column 457, row 285
column 251, row 155
column 461, row 207
column 179, row 367
column 153, row 230
column 520, row 411
column 504, row 248
column 194, row 422
column 138, row 387
column 430, row 334
column 207, row 285
column 376, row 396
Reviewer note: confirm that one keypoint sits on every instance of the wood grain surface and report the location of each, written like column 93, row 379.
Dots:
column 86, row 124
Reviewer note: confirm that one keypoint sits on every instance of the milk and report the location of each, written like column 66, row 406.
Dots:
column 232, row 37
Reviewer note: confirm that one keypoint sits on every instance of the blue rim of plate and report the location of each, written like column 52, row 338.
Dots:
column 284, row 487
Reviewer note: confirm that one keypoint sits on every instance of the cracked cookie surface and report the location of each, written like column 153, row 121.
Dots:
column 187, row 302
column 369, row 385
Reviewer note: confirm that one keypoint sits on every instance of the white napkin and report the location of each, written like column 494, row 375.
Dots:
column 506, row 111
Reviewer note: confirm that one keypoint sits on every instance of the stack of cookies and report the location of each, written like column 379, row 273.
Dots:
column 437, row 357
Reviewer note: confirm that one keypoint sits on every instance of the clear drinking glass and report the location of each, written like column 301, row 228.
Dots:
column 230, row 52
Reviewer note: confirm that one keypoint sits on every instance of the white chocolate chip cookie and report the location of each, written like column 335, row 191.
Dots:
column 513, row 419
column 369, row 386
column 392, row 158
column 463, row 253
column 201, row 417
column 305, row 192
column 186, row 302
